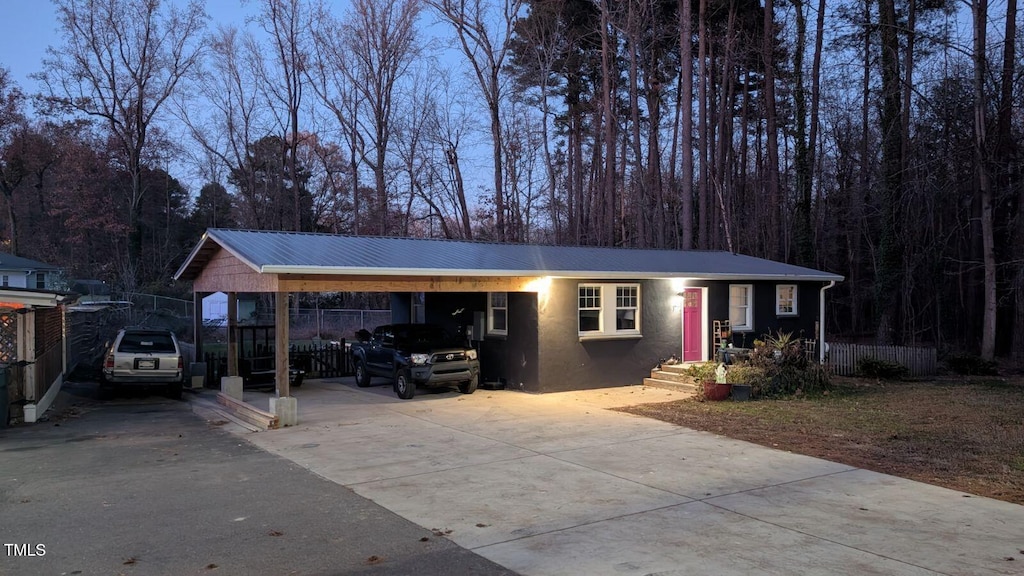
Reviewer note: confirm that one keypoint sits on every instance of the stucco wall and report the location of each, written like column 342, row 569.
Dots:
column 566, row 363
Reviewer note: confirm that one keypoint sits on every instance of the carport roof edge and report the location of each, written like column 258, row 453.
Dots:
column 273, row 252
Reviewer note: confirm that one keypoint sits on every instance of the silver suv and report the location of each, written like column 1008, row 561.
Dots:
column 143, row 356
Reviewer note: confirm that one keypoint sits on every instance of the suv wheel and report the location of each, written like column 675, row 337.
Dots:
column 470, row 387
column 404, row 387
column 362, row 376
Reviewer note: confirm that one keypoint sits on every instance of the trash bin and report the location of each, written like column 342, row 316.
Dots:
column 5, row 401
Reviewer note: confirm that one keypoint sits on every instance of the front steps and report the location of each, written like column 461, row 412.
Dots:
column 671, row 377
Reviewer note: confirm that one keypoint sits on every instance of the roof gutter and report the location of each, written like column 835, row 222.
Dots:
column 822, row 346
column 579, row 274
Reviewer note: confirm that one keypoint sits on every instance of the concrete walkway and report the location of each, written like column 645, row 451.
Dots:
column 557, row 484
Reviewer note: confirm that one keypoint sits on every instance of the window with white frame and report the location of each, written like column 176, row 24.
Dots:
column 497, row 313
column 41, row 280
column 609, row 310
column 6, row 281
column 627, row 304
column 785, row 300
column 741, row 307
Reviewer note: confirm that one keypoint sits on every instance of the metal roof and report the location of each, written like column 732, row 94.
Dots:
column 271, row 252
column 11, row 262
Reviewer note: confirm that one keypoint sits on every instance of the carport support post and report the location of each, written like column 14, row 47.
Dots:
column 197, row 325
column 232, row 334
column 284, row 406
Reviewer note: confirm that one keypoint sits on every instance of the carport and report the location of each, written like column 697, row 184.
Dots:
column 243, row 261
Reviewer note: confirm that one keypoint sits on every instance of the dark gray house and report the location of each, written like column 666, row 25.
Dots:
column 545, row 318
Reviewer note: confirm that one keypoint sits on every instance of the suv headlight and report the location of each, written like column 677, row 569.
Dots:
column 471, row 354
column 419, row 358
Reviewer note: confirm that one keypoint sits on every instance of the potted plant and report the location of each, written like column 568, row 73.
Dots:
column 705, row 377
column 719, row 388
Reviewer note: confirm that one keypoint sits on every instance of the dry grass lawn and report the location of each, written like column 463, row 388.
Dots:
column 963, row 433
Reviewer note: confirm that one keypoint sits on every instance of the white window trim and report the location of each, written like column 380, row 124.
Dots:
column 607, row 314
column 748, row 324
column 491, row 330
column 778, row 300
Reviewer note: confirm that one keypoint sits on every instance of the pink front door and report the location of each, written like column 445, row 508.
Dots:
column 692, row 340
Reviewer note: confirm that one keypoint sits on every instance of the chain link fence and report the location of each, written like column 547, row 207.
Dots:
column 310, row 323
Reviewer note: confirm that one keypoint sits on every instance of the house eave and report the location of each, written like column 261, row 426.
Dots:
column 566, row 274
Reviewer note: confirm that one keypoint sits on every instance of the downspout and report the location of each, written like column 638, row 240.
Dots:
column 822, row 346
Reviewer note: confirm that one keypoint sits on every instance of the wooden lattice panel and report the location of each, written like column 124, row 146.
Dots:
column 8, row 337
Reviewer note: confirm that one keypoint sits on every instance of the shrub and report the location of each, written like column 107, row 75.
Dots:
column 971, row 365
column 784, row 367
column 746, row 374
column 882, row 369
column 702, row 372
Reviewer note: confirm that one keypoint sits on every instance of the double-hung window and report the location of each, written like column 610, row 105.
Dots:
column 741, row 307
column 785, row 300
column 608, row 310
column 497, row 313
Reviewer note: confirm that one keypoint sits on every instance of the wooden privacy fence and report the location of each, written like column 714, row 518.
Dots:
column 918, row 361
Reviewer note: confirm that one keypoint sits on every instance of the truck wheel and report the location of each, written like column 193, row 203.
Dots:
column 404, row 387
column 362, row 376
column 470, row 387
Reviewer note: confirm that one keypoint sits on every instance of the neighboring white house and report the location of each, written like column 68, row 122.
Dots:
column 18, row 272
column 33, row 335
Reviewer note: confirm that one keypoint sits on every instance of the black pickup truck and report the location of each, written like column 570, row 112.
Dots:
column 415, row 354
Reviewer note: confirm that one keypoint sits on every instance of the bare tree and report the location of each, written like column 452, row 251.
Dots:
column 451, row 122
column 12, row 166
column 120, row 62
column 286, row 22
column 983, row 182
column 486, row 48
column 330, row 74
column 772, row 129
column 232, row 116
column 890, row 267
column 380, row 37
column 686, row 122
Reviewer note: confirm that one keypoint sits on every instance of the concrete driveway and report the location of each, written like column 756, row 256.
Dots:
column 557, row 484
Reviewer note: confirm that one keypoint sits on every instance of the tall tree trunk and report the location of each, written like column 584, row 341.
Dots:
column 1006, row 154
column 703, row 218
column 984, row 185
column 607, row 231
column 890, row 267
column 812, row 139
column 639, row 189
column 771, row 125
column 803, row 157
column 686, row 122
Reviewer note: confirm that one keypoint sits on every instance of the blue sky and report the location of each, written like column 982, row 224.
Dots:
column 32, row 27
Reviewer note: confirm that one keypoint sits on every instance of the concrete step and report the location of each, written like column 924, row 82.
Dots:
column 671, row 376
column 676, row 368
column 670, row 385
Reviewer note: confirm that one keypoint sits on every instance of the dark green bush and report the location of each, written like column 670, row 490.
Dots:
column 782, row 361
column 971, row 365
column 882, row 369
